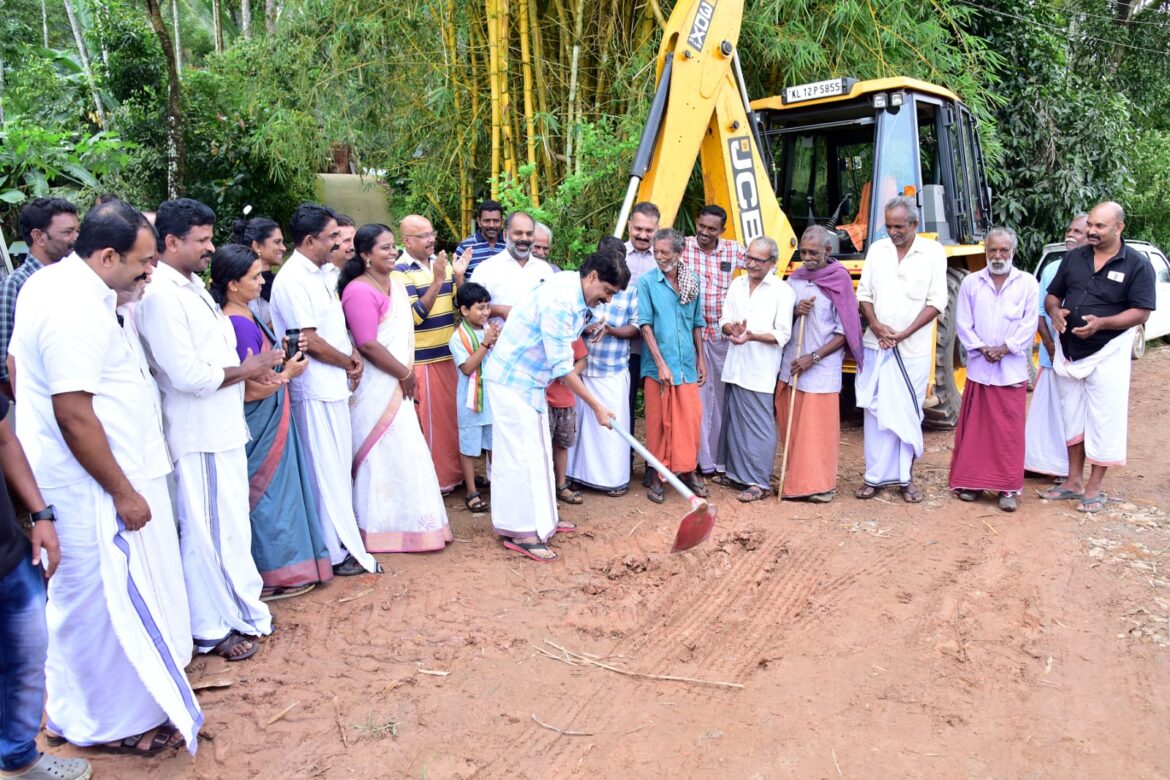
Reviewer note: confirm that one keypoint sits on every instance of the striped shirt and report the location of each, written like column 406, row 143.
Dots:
column 9, row 289
column 611, row 355
column 715, row 270
column 433, row 329
column 536, row 345
column 480, row 250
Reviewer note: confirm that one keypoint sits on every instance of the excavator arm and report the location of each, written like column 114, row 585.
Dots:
column 701, row 111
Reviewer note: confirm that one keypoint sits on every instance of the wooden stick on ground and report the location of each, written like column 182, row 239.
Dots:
column 340, row 727
column 795, row 377
column 561, row 731
column 644, row 675
column 282, row 713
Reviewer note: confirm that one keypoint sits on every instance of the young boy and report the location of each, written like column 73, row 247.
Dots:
column 469, row 346
column 562, row 423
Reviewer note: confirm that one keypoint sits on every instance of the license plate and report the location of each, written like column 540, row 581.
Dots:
column 817, row 89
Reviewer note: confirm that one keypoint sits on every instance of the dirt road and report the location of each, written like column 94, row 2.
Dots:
column 870, row 639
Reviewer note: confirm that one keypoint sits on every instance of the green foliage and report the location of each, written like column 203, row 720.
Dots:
column 1147, row 216
column 35, row 161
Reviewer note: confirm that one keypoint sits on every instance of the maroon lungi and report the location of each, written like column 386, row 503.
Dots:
column 989, row 440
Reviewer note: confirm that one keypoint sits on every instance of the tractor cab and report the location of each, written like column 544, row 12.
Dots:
column 838, row 150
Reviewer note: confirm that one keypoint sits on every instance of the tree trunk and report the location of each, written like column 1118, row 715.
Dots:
column 246, row 19
column 45, row 21
column 217, row 25
column 270, row 13
column 84, row 55
column 178, row 39
column 174, row 103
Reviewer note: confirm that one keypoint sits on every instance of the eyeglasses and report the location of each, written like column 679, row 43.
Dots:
column 423, row 236
column 757, row 260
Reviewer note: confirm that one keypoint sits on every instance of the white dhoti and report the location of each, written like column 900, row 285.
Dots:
column 116, row 605
column 223, row 583
column 711, row 394
column 1045, row 450
column 893, row 428
column 1094, row 400
column 601, row 459
column 325, row 432
column 524, row 499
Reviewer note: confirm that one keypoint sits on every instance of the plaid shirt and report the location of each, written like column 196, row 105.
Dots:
column 9, row 289
column 480, row 250
column 715, row 271
column 536, row 345
column 611, row 355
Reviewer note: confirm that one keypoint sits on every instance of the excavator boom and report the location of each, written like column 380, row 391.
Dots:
column 701, row 111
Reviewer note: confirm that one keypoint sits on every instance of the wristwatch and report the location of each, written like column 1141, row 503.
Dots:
column 48, row 513
column 816, row 357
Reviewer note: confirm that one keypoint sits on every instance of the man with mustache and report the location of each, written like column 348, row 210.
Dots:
column 514, row 273
column 714, row 259
column 304, row 296
column 1044, row 449
column 642, row 225
column 903, row 288
column 430, row 282
column 1102, row 291
column 49, row 228
column 191, row 347
column 485, row 241
column 993, row 322
column 116, row 651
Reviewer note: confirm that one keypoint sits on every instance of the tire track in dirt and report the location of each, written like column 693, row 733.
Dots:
column 537, row 748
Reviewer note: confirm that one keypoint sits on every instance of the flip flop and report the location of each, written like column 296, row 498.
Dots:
column 656, row 494
column 527, row 548
column 276, row 594
column 750, row 494
column 722, row 480
column 231, row 642
column 866, row 492
column 565, row 528
column 164, row 737
column 475, row 503
column 617, row 492
column 912, row 494
column 567, row 495
column 1090, row 505
column 697, row 487
column 1060, row 494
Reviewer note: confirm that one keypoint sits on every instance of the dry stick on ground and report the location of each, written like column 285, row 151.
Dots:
column 282, row 713
column 356, row 596
column 561, row 731
column 665, row 677
column 340, row 728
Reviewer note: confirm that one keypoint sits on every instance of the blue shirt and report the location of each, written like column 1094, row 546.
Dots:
column 1045, row 279
column 536, row 345
column 611, row 355
column 467, row 417
column 673, row 324
column 480, row 250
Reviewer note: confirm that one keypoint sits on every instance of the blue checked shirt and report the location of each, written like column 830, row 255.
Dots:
column 9, row 289
column 536, row 345
column 480, row 250
column 611, row 355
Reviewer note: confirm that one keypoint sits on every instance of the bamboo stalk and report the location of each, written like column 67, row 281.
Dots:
column 451, row 59
column 492, row 14
column 507, row 115
column 572, row 105
column 529, row 103
column 538, row 68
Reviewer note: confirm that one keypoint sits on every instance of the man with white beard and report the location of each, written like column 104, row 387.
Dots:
column 514, row 273
column 994, row 323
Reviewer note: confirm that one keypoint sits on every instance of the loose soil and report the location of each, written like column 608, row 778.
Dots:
column 870, row 638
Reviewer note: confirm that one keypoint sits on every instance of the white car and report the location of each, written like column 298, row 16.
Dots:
column 1158, row 325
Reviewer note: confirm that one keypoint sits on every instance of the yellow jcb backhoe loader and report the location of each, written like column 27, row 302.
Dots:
column 835, row 150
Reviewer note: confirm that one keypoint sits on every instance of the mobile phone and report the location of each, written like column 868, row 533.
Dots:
column 292, row 337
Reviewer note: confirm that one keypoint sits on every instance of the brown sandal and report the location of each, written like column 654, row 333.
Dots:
column 912, row 494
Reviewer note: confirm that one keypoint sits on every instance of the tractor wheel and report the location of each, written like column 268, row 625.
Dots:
column 950, row 368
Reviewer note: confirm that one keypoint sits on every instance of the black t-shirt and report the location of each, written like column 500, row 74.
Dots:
column 1125, row 282
column 13, row 543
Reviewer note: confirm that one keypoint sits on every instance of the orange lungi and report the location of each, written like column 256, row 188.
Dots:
column 674, row 416
column 434, row 392
column 816, row 431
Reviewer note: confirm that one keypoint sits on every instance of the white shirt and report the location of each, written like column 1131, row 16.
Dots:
column 66, row 340
column 767, row 309
column 305, row 296
column 509, row 282
column 158, row 457
column 189, row 342
column 639, row 263
column 900, row 290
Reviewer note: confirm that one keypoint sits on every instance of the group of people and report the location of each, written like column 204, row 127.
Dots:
column 195, row 450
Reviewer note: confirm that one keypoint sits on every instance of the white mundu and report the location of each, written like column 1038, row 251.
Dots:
column 113, row 668
column 189, row 343
column 305, row 296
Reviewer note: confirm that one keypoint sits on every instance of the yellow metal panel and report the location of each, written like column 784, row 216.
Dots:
column 859, row 89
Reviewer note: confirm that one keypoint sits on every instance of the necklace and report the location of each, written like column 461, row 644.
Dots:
column 384, row 288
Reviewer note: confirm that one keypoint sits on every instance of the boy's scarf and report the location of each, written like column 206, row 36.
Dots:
column 470, row 341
